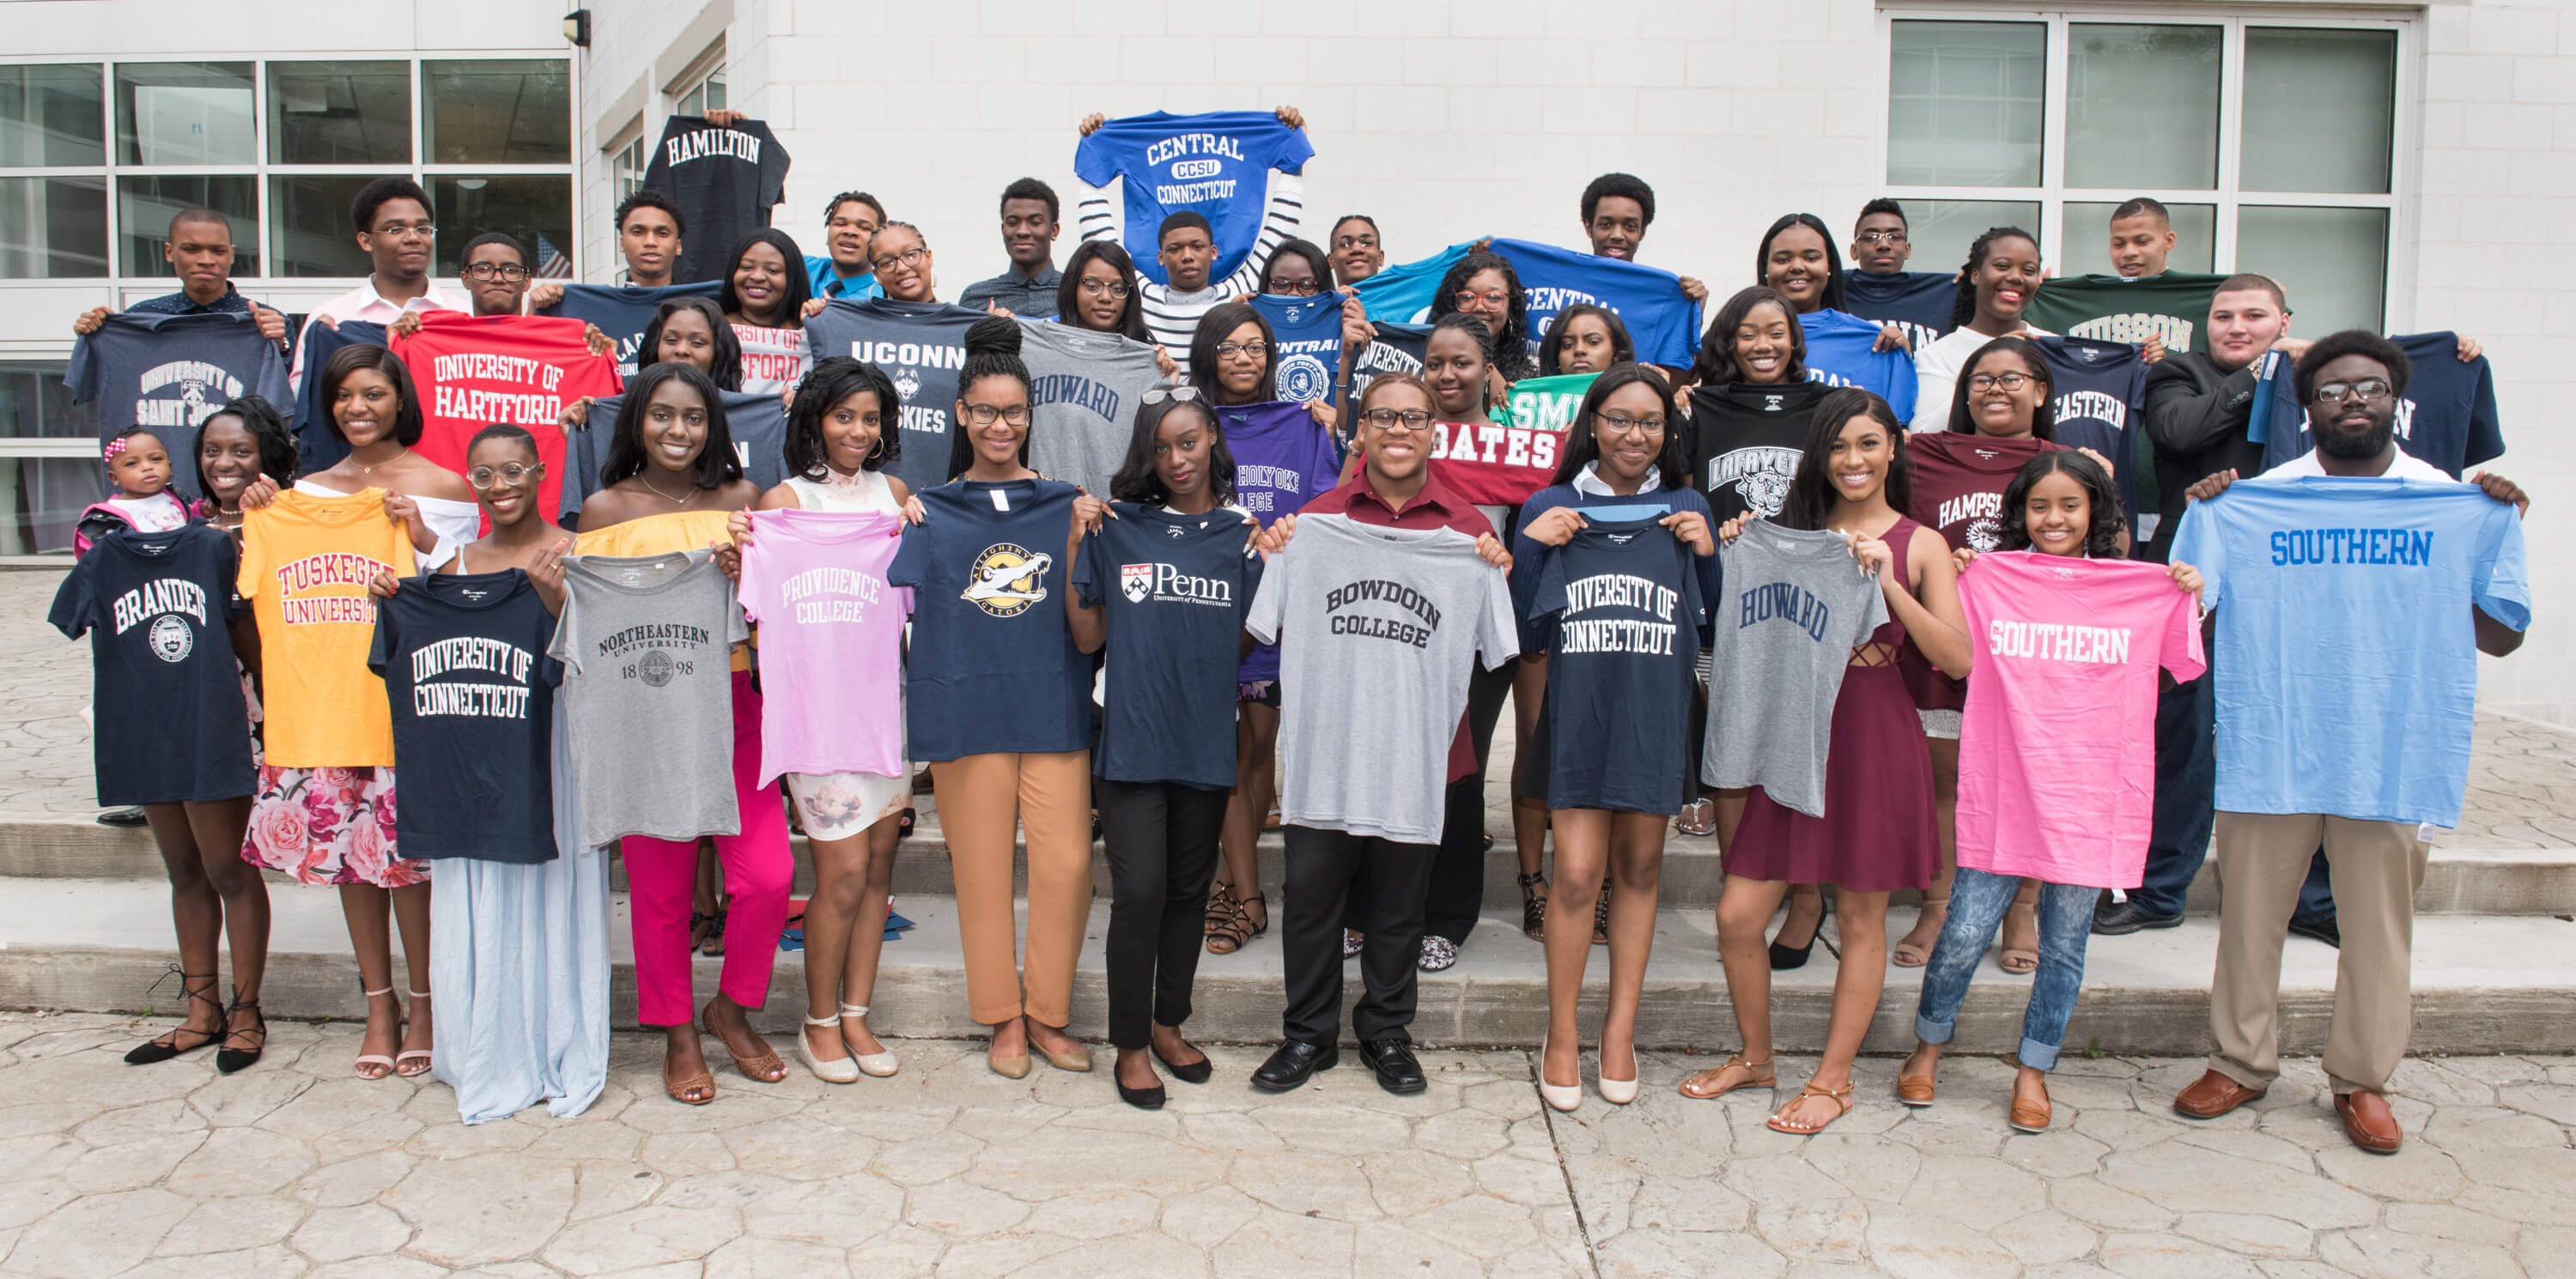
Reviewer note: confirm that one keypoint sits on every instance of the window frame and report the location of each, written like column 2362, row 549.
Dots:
column 2052, row 195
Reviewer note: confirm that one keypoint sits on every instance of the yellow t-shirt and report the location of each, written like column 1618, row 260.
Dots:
column 662, row 535
column 306, row 561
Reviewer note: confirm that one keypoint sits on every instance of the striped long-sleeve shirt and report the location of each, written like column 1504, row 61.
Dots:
column 1171, row 316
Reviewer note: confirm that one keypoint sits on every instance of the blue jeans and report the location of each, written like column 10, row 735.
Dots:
column 1978, row 900
column 2186, row 791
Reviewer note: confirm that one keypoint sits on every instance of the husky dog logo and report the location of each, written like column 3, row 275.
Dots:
column 1007, row 579
column 170, row 638
column 1137, row 580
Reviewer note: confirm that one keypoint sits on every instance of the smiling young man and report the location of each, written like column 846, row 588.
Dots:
column 1879, row 287
column 392, row 219
column 1357, row 251
column 1617, row 209
column 199, row 248
column 850, row 220
column 1029, row 228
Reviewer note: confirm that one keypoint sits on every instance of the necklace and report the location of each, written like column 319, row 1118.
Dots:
column 364, row 469
column 657, row 492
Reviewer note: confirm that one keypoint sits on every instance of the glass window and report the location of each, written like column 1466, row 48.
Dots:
column 49, row 115
column 2319, row 107
column 704, row 96
column 2142, row 106
column 144, row 207
column 185, row 113
column 2332, row 262
column 53, row 228
column 626, row 170
column 1964, row 103
column 40, row 498
column 1942, row 230
column 34, row 404
column 535, row 209
column 497, row 111
column 339, row 112
column 2085, row 247
column 309, row 232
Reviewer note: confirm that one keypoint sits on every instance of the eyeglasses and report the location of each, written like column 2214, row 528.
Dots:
column 1229, row 350
column 1470, row 297
column 1295, row 288
column 984, row 414
column 510, row 272
column 400, row 231
column 2009, row 381
column 1881, row 237
column 1397, row 419
column 1114, row 288
column 1176, row 394
column 481, row 477
column 909, row 257
column 1622, row 424
column 2368, row 390
column 1355, row 242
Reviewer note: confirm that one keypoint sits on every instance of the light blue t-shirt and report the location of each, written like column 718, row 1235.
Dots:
column 2346, row 657
column 1839, row 354
column 823, row 280
column 1215, row 164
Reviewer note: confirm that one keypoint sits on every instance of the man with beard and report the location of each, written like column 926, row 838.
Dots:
column 2356, row 547
column 1029, row 228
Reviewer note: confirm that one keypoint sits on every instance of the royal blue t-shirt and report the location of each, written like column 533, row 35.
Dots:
column 1922, row 301
column 2100, row 390
column 2447, row 416
column 1283, row 459
column 1625, row 605
column 1664, row 324
column 1175, row 588
column 622, row 311
column 1215, row 164
column 2346, row 654
column 1308, row 336
column 993, row 666
column 319, row 449
column 1839, row 353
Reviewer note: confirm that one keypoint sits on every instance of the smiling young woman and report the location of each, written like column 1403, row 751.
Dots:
column 1996, row 284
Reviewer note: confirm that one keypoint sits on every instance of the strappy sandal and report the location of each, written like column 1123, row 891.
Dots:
column 1697, row 818
column 1906, row 953
column 2017, row 960
column 1220, row 910
column 1839, row 1096
column 407, row 1055
column 1601, row 916
column 714, row 944
column 763, row 1069
column 1757, row 1075
column 379, row 1059
column 678, row 1089
column 167, row 1045
column 1534, row 906
column 701, row 927
column 1239, row 930
column 228, row 1059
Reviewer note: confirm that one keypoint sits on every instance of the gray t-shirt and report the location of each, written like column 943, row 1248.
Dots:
column 1377, row 628
column 646, row 644
column 1794, row 608
column 1084, row 388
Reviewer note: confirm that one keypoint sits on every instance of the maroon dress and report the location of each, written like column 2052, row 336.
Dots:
column 1877, row 834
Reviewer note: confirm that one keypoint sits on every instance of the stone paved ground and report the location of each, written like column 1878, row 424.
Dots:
column 295, row 1169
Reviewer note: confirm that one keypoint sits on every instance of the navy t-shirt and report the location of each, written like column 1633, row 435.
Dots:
column 921, row 345
column 1922, row 301
column 315, row 443
column 170, row 724
column 1537, row 629
column 1175, row 588
column 169, row 373
column 993, row 668
column 464, row 661
column 754, row 419
column 622, row 311
column 2447, row 416
column 2100, row 390
column 1397, row 348
column 1615, row 728
column 725, row 178
column 1307, row 333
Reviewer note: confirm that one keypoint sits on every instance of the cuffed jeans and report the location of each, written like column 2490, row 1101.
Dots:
column 1162, row 842
column 1978, row 900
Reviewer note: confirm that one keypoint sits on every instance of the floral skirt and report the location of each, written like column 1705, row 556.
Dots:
column 328, row 826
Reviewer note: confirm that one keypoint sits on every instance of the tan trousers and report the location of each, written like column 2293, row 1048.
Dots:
column 981, row 798
column 2377, row 867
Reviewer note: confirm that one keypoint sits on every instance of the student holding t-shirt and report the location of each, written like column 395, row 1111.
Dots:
column 850, row 220
column 1996, row 284
column 1797, row 260
column 1617, row 209
column 199, row 247
column 764, row 299
column 1880, row 288
column 395, row 230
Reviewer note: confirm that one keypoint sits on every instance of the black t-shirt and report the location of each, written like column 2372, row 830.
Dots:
column 724, row 179
column 170, row 724
column 1176, row 587
column 464, row 662
column 1397, row 348
column 1615, row 728
column 1746, row 441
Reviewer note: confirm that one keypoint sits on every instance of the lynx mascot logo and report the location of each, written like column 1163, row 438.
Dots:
column 1007, row 579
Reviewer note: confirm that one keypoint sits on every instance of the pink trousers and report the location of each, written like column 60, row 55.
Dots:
column 662, row 877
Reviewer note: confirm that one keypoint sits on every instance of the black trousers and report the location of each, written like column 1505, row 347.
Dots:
column 1162, row 842
column 1325, row 871
column 1458, row 874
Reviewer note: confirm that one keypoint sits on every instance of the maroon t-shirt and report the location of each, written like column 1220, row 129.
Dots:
column 1958, row 492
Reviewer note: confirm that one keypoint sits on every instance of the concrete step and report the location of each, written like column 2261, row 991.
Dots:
column 2482, row 984
column 2458, row 881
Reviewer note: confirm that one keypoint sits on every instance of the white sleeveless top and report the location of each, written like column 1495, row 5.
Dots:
column 865, row 491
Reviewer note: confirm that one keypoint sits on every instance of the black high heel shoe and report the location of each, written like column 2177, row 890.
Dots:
column 229, row 1059
column 168, row 1046
column 1784, row 958
column 1196, row 1072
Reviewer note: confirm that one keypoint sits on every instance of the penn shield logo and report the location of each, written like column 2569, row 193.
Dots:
column 1137, row 580
column 170, row 638
column 1007, row 579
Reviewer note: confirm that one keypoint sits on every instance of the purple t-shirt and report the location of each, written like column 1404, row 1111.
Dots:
column 831, row 640
column 1283, row 458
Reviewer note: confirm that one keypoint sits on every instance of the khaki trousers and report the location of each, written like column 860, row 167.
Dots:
column 981, row 798
column 2376, row 867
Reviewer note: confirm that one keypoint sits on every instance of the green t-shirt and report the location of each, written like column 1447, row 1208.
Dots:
column 2107, row 308
column 1546, row 403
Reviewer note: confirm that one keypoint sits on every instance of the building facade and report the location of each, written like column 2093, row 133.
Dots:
column 2406, row 167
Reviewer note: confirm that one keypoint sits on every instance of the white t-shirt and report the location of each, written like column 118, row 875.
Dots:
column 1936, row 373
column 772, row 359
column 2407, row 466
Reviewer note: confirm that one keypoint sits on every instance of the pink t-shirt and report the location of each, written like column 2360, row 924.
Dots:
column 2057, row 746
column 831, row 641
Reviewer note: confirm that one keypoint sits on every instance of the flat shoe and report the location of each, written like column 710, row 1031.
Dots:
column 678, row 1089
column 2029, row 1116
column 831, row 1070
column 1009, row 1067
column 763, row 1069
column 1078, row 1061
column 1914, row 1090
column 1841, row 1097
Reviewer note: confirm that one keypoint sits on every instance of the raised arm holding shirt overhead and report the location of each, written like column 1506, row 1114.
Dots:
column 1617, row 209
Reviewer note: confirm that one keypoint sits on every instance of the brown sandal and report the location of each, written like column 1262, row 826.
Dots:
column 678, row 1089
column 1220, row 909
column 1839, row 1096
column 1239, row 930
column 1697, row 1086
column 763, row 1069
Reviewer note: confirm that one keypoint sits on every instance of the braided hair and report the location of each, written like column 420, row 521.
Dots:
column 992, row 350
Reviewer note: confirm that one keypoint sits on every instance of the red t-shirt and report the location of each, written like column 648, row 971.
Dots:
column 1434, row 507
column 473, row 371
column 1494, row 463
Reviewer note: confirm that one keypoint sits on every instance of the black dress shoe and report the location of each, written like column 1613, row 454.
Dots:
column 125, row 817
column 1196, row 1072
column 1293, row 1063
column 1142, row 1098
column 1392, row 1059
column 2128, row 917
column 2324, row 930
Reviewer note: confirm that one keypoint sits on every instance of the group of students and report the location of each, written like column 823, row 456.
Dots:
column 1859, row 596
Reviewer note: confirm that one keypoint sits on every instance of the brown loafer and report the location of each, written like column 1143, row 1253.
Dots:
column 2212, row 1095
column 2029, row 1116
column 1914, row 1090
column 2367, row 1120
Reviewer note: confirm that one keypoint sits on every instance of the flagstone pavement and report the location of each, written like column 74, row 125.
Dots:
column 293, row 1168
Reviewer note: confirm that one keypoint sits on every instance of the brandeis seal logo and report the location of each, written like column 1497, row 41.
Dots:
column 1007, row 579
column 170, row 638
